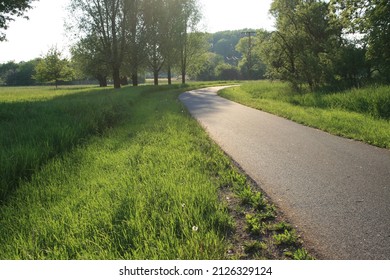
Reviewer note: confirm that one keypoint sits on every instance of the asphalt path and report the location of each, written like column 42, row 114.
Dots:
column 335, row 190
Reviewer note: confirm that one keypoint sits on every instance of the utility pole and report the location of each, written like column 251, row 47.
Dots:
column 250, row 64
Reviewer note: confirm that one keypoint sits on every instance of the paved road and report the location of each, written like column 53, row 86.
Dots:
column 336, row 191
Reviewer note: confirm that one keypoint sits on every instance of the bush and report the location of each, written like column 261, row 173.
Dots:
column 227, row 72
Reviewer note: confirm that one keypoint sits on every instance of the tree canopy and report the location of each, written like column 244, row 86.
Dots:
column 371, row 19
column 338, row 43
column 132, row 34
column 53, row 68
column 9, row 9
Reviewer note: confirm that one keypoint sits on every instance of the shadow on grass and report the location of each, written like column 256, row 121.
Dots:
column 32, row 132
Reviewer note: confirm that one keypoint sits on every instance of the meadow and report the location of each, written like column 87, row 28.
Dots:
column 92, row 173
column 360, row 114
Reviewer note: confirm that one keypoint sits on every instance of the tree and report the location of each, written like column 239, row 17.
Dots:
column 224, row 43
column 155, row 21
column 371, row 19
column 227, row 72
column 251, row 66
column 7, row 72
column 187, row 19
column 136, row 40
column 181, row 41
column 301, row 49
column 203, row 68
column 351, row 68
column 18, row 74
column 134, row 33
column 107, row 20
column 9, row 9
column 89, row 59
column 53, row 68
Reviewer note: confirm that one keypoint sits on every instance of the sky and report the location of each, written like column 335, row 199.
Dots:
column 29, row 39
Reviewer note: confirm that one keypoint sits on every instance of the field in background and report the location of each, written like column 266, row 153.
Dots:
column 360, row 114
column 126, row 174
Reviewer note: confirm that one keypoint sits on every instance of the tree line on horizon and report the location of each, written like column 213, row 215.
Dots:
column 336, row 44
column 219, row 58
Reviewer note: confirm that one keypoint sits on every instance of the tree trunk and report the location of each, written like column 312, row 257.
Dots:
column 116, row 77
column 155, row 73
column 183, row 75
column 169, row 75
column 102, row 81
column 124, row 81
column 134, row 78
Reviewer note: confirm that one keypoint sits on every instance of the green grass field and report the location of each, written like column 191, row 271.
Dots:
column 93, row 173
column 360, row 114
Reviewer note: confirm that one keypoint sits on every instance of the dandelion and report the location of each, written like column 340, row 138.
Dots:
column 195, row 228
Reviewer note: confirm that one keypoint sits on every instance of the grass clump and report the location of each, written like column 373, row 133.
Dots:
column 301, row 254
column 254, row 247
column 360, row 114
column 287, row 238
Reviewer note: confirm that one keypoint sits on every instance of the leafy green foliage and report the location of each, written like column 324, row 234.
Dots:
column 53, row 68
column 203, row 68
column 251, row 65
column 223, row 43
column 227, row 72
column 287, row 238
column 299, row 51
column 370, row 19
column 18, row 74
column 89, row 61
column 302, row 254
column 254, row 247
column 10, row 9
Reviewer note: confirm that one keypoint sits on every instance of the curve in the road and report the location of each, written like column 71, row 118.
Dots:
column 337, row 191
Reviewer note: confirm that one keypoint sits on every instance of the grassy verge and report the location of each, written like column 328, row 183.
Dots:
column 362, row 114
column 150, row 185
column 39, row 123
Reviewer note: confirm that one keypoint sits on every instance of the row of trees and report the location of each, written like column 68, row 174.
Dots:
column 51, row 68
column 229, row 57
column 219, row 56
column 18, row 74
column 122, row 37
column 339, row 43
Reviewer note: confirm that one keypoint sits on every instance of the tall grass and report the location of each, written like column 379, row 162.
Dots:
column 37, row 124
column 142, row 191
column 361, row 114
column 147, row 185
